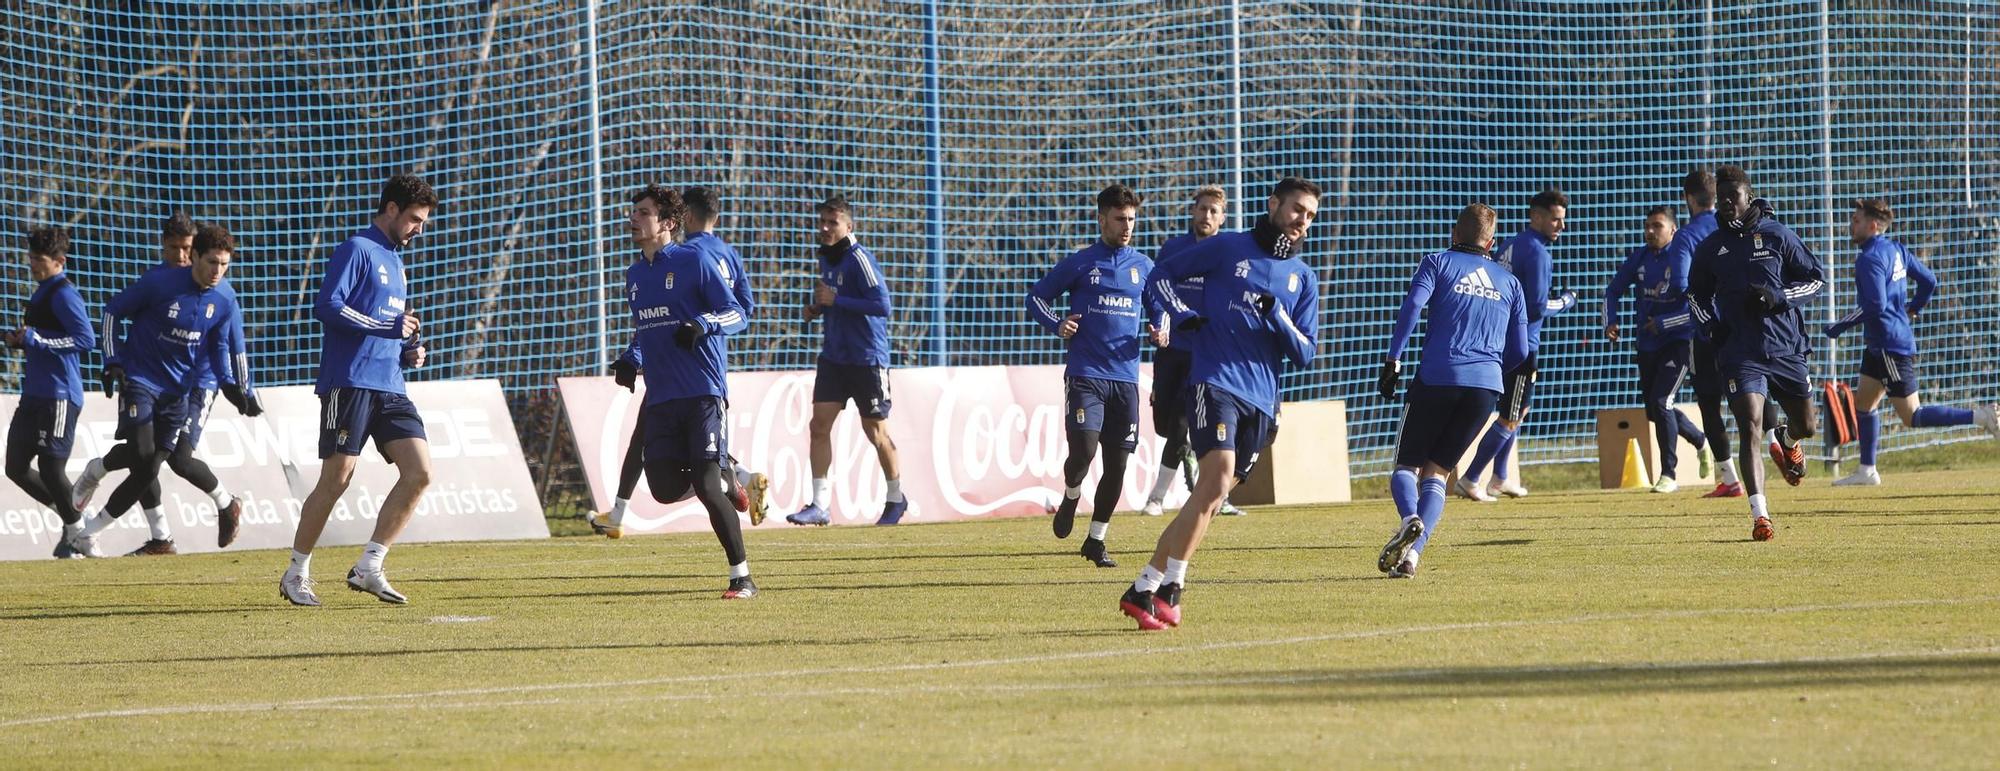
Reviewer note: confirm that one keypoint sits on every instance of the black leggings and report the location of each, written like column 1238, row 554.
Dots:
column 183, row 462
column 671, row 481
column 50, row 486
column 1082, row 444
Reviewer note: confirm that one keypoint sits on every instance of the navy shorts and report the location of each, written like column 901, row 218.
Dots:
column 349, row 417
column 1109, row 407
column 686, row 430
column 1786, row 377
column 166, row 416
column 48, row 425
column 868, row 386
column 1703, row 370
column 1170, row 381
column 1662, row 371
column 200, row 402
column 1897, row 372
column 1517, row 390
column 1219, row 420
column 1439, row 423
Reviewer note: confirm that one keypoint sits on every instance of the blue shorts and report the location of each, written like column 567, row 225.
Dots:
column 1897, row 372
column 1109, row 407
column 48, row 425
column 349, row 417
column 686, row 430
column 1171, row 369
column 836, row 383
column 200, row 402
column 165, row 416
column 1440, row 422
column 1219, row 420
column 1786, row 377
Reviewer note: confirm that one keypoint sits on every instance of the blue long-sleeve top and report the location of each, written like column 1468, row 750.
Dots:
column 1104, row 286
column 682, row 285
column 1242, row 348
column 176, row 323
column 1478, row 326
column 361, row 304
column 1730, row 266
column 856, row 328
column 1527, row 256
column 58, row 333
column 1188, row 289
column 1883, row 271
column 1659, row 309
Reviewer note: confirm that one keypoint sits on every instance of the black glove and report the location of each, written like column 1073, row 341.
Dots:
column 1265, row 303
column 624, row 374
column 1764, row 301
column 247, row 404
column 1192, row 324
column 111, row 378
column 1392, row 376
column 686, row 336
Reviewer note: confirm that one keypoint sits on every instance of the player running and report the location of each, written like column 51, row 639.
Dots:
column 1104, row 281
column 1478, row 329
column 1698, row 192
column 54, row 334
column 1260, row 307
column 1172, row 361
column 1746, row 285
column 1883, row 271
column 1664, row 339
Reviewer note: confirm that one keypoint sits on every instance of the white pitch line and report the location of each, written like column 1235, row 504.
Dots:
column 420, row 696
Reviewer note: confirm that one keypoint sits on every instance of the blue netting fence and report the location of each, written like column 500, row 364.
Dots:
column 971, row 137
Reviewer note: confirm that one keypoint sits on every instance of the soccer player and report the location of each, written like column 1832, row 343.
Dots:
column 1883, row 271
column 1746, row 285
column 1171, row 362
column 54, row 333
column 1259, row 307
column 368, row 335
column 853, row 359
column 177, row 237
column 655, row 217
column 1104, row 282
column 1664, row 338
column 1478, row 329
column 681, row 309
column 1527, row 255
column 1698, row 192
column 179, row 316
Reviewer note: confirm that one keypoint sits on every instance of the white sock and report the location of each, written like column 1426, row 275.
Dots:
column 220, row 495
column 371, row 558
column 301, row 563
column 1176, row 571
column 895, row 491
column 1149, row 579
column 1757, row 510
column 618, row 511
column 157, row 520
column 1414, row 556
column 1727, row 470
column 1867, row 469
column 1098, row 529
column 740, row 570
column 97, row 524
column 1162, row 483
column 821, row 488
column 1072, row 493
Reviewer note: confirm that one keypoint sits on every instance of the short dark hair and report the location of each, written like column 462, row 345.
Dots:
column 1699, row 187
column 837, row 204
column 1671, row 213
column 1731, row 175
column 1290, row 185
column 406, row 191
column 1548, row 199
column 702, row 203
column 666, row 199
column 49, row 241
column 1117, row 196
column 1876, row 209
column 211, row 237
column 177, row 225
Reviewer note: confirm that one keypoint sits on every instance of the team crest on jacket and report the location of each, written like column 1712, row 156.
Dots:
column 1757, row 241
column 210, row 313
column 670, row 280
column 1222, row 432
column 1135, row 275
column 1292, row 283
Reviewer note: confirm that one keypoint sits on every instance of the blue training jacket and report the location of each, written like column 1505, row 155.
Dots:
column 1728, row 267
column 1241, row 348
column 1104, row 286
column 361, row 304
column 1659, row 308
column 58, row 332
column 1189, row 290
column 1883, row 271
column 176, row 324
column 1527, row 256
column 1478, row 321
column 682, row 285
column 856, row 328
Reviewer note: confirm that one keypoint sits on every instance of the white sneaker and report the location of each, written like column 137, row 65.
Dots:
column 1153, row 508
column 85, row 546
column 1862, row 477
column 1987, row 416
column 375, row 582
column 1470, row 489
column 1509, row 488
column 298, row 590
column 1229, row 510
column 86, row 485
column 1667, row 485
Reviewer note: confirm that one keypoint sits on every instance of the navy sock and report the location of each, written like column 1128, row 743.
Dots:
column 1932, row 417
column 1871, row 431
